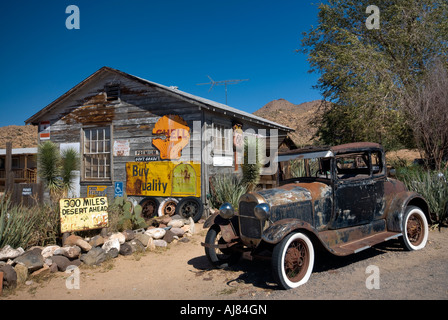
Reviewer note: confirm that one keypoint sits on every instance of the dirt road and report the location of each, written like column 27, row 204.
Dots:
column 183, row 272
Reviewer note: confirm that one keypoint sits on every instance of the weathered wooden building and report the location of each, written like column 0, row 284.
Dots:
column 156, row 143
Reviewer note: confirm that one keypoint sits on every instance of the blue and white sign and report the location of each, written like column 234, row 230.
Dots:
column 118, row 189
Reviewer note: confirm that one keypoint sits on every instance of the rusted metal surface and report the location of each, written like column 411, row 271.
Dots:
column 228, row 233
column 346, row 214
column 277, row 231
column 355, row 146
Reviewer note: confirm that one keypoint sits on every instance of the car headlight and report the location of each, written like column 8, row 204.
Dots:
column 262, row 211
column 226, row 211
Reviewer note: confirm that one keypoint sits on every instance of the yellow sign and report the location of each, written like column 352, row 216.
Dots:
column 172, row 135
column 163, row 178
column 83, row 214
column 96, row 191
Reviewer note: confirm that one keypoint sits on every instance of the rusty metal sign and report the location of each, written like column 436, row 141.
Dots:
column 172, row 135
column 83, row 214
column 96, row 191
column 163, row 178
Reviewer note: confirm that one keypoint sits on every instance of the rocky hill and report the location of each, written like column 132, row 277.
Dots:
column 295, row 116
column 20, row 136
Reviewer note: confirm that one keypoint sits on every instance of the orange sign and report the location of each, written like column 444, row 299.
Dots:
column 173, row 134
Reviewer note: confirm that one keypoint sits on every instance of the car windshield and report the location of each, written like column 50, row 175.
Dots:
column 305, row 168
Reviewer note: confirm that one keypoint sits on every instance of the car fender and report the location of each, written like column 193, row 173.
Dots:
column 396, row 208
column 229, row 227
column 280, row 229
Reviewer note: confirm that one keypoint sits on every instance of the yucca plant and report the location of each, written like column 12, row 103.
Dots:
column 431, row 184
column 252, row 162
column 16, row 225
column 70, row 162
column 226, row 188
column 55, row 169
column 48, row 166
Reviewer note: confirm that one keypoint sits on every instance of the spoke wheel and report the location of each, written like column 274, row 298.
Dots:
column 297, row 260
column 293, row 260
column 415, row 229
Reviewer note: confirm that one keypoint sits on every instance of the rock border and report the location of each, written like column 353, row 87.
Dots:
column 19, row 265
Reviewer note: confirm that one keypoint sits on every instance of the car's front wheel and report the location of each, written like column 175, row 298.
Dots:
column 293, row 260
column 219, row 258
column 415, row 229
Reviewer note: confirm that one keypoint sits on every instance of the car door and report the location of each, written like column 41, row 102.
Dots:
column 354, row 199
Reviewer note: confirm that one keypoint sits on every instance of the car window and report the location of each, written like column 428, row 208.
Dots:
column 377, row 163
column 306, row 168
column 352, row 166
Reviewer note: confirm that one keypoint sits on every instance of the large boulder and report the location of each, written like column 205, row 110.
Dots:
column 156, row 233
column 74, row 240
column 22, row 273
column 94, row 257
column 9, row 276
column 31, row 259
column 111, row 243
column 125, row 249
column 48, row 251
column 71, row 252
column 7, row 252
column 63, row 262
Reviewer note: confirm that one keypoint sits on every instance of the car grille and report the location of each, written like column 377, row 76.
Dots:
column 250, row 226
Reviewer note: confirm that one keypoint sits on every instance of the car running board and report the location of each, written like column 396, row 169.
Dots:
column 365, row 243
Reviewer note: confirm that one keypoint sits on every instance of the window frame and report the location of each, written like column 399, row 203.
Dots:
column 109, row 154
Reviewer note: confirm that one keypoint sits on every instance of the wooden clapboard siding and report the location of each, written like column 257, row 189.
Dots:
column 133, row 116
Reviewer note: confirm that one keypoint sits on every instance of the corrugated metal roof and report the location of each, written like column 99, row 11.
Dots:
column 202, row 102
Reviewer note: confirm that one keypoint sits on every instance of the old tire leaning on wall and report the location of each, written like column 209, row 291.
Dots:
column 167, row 207
column 293, row 260
column 190, row 207
column 150, row 206
column 415, row 229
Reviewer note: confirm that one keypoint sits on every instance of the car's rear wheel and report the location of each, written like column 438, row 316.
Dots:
column 293, row 260
column 415, row 229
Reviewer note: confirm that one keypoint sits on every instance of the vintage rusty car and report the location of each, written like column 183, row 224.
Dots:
column 336, row 198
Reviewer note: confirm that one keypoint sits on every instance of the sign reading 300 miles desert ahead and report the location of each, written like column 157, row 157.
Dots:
column 83, row 214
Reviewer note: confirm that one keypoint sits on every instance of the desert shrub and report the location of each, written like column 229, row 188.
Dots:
column 431, row 184
column 46, row 225
column 226, row 188
column 25, row 227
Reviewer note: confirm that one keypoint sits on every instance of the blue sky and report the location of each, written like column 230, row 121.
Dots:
column 169, row 42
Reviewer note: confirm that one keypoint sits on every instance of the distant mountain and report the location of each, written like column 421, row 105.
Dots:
column 295, row 116
column 20, row 136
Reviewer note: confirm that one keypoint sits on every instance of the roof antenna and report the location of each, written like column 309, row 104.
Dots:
column 222, row 82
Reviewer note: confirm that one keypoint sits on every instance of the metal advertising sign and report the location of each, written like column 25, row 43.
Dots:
column 83, row 214
column 163, row 178
column 96, row 191
column 172, row 135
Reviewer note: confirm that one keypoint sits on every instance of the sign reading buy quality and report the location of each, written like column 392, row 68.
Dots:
column 163, row 178
column 83, row 214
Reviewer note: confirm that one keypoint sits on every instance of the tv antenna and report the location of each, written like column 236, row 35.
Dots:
column 222, row 82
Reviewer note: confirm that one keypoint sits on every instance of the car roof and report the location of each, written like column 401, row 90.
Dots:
column 326, row 151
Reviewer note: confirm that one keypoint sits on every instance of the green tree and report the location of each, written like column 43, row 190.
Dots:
column 370, row 75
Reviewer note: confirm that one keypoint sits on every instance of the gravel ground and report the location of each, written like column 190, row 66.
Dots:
column 182, row 272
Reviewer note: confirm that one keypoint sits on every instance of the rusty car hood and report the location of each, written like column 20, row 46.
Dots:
column 295, row 192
